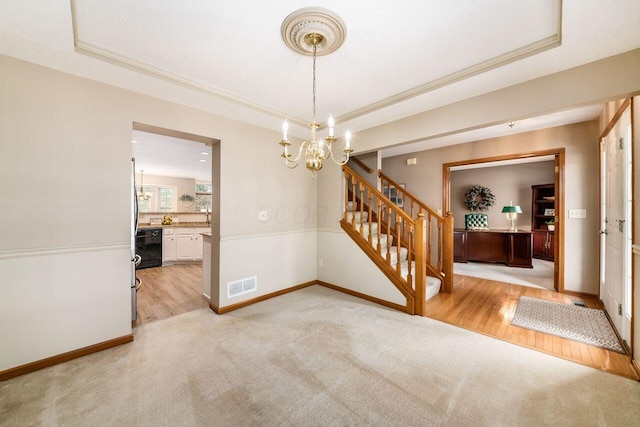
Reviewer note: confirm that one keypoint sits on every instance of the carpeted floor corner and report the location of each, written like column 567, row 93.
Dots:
column 316, row 357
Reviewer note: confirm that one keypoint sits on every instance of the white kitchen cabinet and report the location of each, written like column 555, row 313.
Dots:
column 199, row 242
column 168, row 245
column 185, row 244
column 182, row 244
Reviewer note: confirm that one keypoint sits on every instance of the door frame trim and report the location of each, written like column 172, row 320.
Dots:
column 559, row 154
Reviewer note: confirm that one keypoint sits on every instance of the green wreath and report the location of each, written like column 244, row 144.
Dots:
column 478, row 198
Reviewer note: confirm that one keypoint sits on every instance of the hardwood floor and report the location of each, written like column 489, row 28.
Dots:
column 168, row 291
column 487, row 307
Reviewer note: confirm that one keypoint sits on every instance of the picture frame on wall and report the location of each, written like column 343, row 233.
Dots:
column 395, row 195
column 549, row 212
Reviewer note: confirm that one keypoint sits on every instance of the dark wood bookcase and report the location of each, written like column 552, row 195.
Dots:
column 543, row 198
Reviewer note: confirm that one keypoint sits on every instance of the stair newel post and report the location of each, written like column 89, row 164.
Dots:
column 421, row 265
column 429, row 234
column 410, row 240
column 440, row 245
column 379, row 212
column 447, row 268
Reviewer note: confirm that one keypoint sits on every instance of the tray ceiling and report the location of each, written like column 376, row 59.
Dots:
column 398, row 58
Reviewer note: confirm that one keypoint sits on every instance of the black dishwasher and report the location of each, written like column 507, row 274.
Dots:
column 149, row 247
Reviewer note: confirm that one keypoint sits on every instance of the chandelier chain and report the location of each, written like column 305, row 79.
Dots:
column 315, row 47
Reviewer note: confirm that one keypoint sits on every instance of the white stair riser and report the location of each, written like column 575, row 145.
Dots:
column 394, row 254
column 357, row 215
column 365, row 228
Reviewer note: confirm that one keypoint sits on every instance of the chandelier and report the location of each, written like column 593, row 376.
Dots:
column 306, row 31
column 143, row 195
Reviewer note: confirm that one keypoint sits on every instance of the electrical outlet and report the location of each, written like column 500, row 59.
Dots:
column 262, row 215
column 619, row 309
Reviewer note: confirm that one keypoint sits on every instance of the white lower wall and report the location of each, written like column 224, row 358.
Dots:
column 347, row 266
column 279, row 261
column 59, row 300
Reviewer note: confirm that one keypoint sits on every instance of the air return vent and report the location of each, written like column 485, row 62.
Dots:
column 241, row 287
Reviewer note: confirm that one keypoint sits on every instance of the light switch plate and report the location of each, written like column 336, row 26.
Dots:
column 262, row 215
column 577, row 213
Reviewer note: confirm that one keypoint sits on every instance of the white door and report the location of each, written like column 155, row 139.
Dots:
column 616, row 226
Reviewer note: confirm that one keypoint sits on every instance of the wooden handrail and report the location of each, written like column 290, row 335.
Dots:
column 360, row 163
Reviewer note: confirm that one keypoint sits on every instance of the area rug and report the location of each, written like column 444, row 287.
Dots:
column 585, row 325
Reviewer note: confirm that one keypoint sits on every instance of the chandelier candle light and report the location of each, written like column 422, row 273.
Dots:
column 305, row 31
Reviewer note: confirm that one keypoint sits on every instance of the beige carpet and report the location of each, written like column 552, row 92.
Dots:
column 540, row 276
column 316, row 357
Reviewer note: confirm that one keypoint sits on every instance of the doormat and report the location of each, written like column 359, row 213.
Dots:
column 585, row 325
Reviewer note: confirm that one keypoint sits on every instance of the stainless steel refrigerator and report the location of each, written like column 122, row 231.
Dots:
column 134, row 231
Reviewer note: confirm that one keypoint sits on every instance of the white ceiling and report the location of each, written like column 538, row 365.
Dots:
column 168, row 156
column 398, row 59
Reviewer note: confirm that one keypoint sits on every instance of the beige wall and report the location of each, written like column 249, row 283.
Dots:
column 64, row 251
column 371, row 160
column 508, row 183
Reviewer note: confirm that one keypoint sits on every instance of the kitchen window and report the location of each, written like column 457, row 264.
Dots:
column 162, row 199
column 165, row 199
column 203, row 197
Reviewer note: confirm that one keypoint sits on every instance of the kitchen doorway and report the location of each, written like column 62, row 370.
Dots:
column 177, row 198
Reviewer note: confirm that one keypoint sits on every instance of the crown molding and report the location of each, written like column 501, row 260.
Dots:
column 502, row 60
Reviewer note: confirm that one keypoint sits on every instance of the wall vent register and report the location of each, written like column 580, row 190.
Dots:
column 241, row 287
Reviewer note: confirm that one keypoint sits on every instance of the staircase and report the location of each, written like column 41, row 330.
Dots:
column 409, row 242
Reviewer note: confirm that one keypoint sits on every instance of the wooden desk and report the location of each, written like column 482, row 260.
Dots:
column 513, row 248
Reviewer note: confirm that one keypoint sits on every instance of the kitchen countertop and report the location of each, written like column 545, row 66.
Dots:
column 177, row 224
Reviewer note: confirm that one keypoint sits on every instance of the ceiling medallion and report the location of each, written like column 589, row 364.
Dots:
column 314, row 31
column 313, row 20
